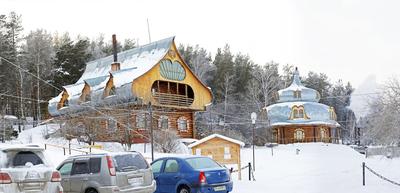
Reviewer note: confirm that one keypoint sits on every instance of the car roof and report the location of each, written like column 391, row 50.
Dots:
column 182, row 157
column 19, row 147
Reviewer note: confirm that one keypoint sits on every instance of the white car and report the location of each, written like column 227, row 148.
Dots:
column 23, row 168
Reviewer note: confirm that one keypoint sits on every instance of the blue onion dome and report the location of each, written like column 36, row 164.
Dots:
column 297, row 91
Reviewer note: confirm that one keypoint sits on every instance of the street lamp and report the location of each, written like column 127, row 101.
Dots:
column 253, row 121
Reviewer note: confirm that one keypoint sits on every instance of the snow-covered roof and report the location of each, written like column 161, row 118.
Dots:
column 306, row 94
column 317, row 114
column 133, row 64
column 215, row 136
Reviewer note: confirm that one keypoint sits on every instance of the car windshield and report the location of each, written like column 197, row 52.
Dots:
column 129, row 162
column 202, row 163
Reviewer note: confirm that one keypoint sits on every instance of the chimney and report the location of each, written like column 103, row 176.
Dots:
column 115, row 66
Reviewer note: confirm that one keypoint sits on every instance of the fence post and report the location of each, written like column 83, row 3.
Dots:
column 45, row 146
column 249, row 171
column 363, row 171
column 64, row 150
column 69, row 147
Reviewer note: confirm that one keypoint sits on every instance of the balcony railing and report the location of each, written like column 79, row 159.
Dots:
column 172, row 99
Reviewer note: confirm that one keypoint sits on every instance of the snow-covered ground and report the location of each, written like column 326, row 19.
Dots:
column 318, row 168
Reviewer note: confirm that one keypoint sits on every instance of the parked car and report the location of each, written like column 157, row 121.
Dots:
column 125, row 172
column 190, row 174
column 24, row 168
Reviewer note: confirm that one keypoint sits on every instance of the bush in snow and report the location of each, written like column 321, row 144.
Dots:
column 166, row 141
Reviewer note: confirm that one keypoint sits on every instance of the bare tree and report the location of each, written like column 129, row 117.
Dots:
column 166, row 140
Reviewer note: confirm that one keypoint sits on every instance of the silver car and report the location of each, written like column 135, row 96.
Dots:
column 126, row 172
column 25, row 169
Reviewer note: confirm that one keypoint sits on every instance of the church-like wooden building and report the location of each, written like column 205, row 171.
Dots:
column 111, row 101
column 299, row 117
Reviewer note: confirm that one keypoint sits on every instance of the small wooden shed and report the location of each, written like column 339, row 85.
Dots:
column 222, row 149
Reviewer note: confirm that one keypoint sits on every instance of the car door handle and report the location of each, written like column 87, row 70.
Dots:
column 85, row 179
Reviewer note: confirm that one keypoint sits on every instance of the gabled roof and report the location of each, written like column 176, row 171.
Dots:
column 215, row 136
column 133, row 64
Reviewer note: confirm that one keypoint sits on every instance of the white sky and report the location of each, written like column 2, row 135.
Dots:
column 346, row 39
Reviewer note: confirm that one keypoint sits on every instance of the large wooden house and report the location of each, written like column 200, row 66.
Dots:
column 299, row 117
column 111, row 101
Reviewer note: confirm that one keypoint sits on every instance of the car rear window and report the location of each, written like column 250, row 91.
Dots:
column 202, row 163
column 23, row 157
column 129, row 162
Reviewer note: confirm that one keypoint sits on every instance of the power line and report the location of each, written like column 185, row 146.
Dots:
column 27, row 71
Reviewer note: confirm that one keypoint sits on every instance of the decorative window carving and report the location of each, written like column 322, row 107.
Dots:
column 299, row 135
column 298, row 112
column 323, row 134
column 182, row 124
column 163, row 122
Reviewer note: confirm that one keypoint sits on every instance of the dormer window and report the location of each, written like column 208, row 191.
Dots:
column 66, row 103
column 298, row 113
column 112, row 91
column 297, row 94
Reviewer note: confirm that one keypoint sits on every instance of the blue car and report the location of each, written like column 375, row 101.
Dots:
column 194, row 174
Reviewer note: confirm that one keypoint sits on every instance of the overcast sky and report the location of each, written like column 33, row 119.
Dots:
column 348, row 39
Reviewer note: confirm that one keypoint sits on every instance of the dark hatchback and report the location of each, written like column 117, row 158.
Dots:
column 193, row 174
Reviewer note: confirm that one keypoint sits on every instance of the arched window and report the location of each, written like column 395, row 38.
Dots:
column 182, row 124
column 299, row 135
column 298, row 112
column 163, row 122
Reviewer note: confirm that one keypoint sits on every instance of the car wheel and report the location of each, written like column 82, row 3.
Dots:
column 184, row 190
column 91, row 191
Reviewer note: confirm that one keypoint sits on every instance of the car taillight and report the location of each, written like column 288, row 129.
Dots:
column 110, row 165
column 202, row 178
column 56, row 177
column 5, row 178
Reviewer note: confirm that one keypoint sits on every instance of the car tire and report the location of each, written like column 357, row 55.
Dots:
column 91, row 190
column 184, row 190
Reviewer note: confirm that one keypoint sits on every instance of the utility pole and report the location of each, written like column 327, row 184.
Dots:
column 253, row 121
column 151, row 132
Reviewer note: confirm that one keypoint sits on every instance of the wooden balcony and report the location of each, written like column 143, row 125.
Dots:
column 172, row 99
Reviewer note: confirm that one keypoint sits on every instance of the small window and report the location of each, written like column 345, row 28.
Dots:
column 112, row 91
column 95, row 165
column 80, row 167
column 182, row 124
column 142, row 121
column 163, row 122
column 111, row 125
column 156, row 166
column 66, row 103
column 198, row 151
column 171, row 166
column 23, row 157
column 88, row 97
column 65, row 170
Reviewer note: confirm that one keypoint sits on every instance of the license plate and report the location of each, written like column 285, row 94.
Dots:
column 135, row 181
column 219, row 188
